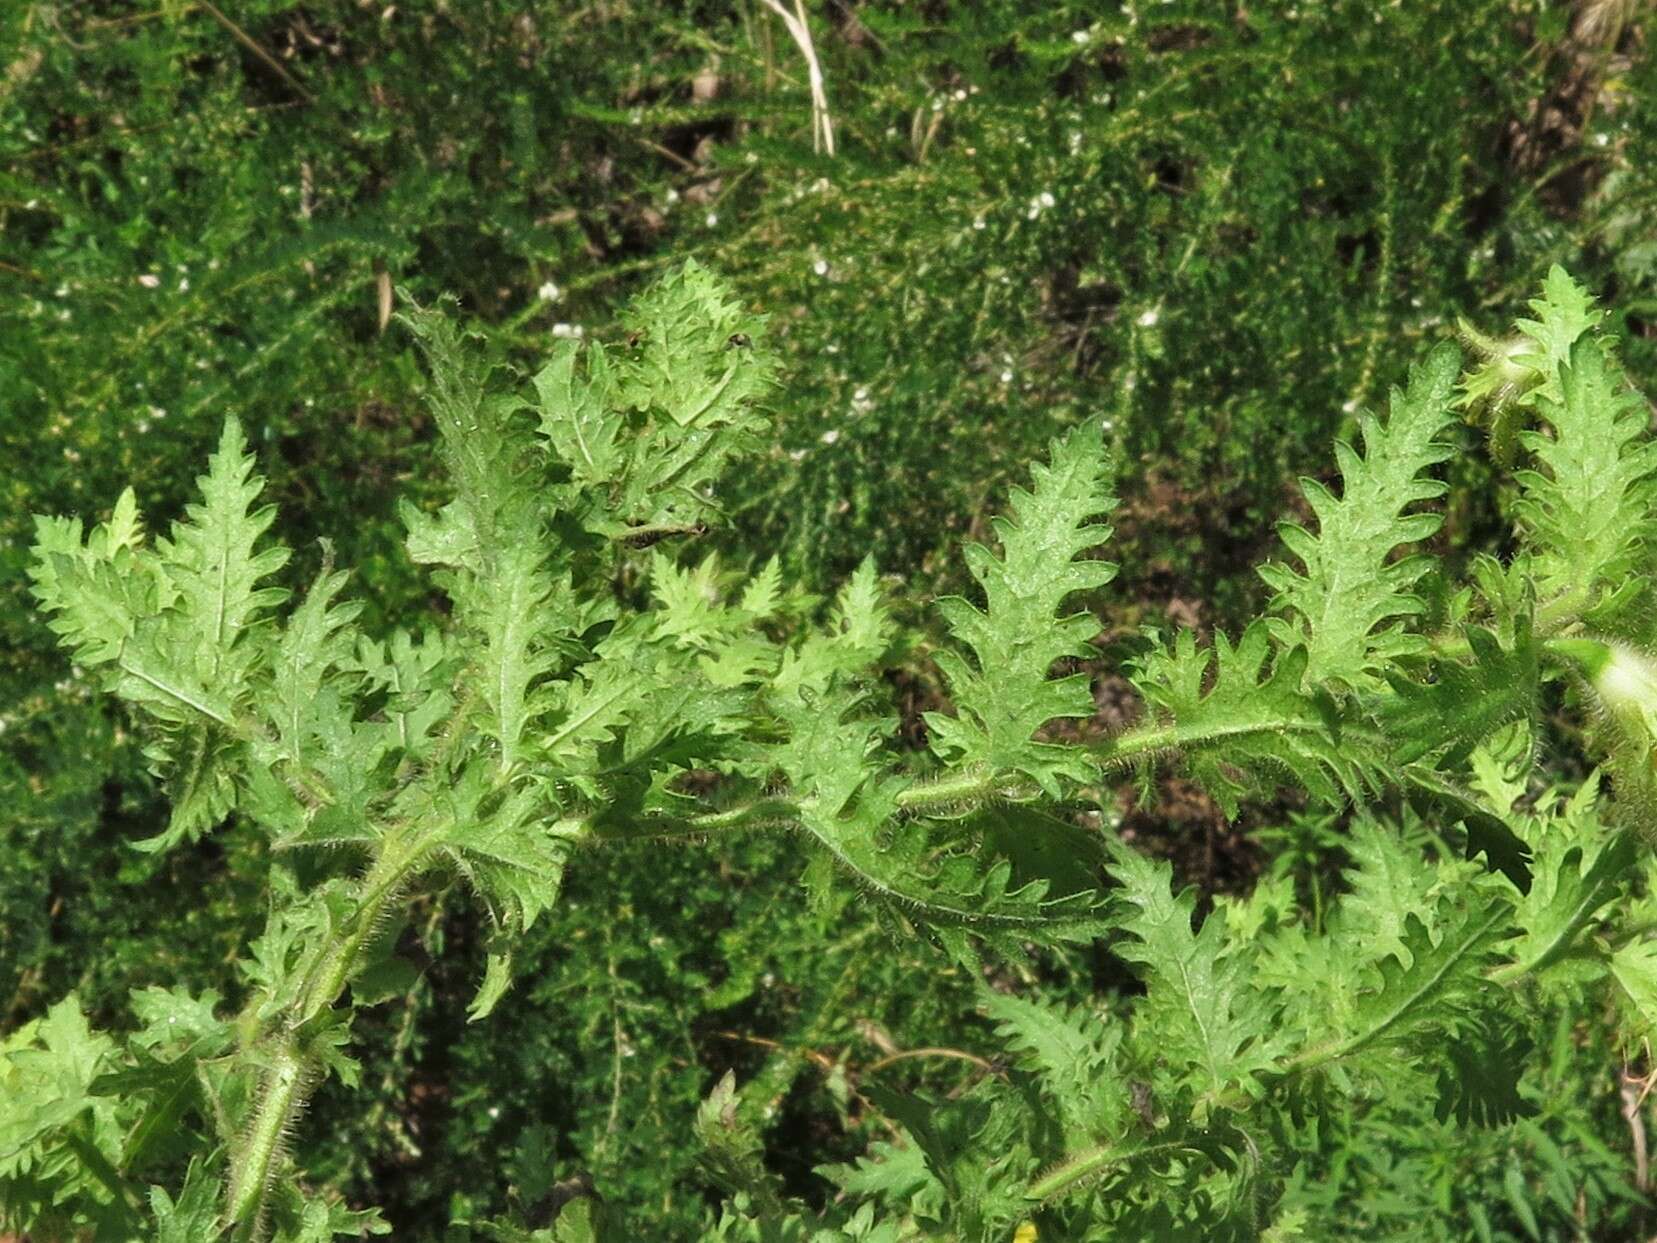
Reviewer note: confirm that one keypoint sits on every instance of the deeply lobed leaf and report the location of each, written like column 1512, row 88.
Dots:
column 1211, row 1026
column 1003, row 695
column 1591, row 508
column 1346, row 604
column 1240, row 726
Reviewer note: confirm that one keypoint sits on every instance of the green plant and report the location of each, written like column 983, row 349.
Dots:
column 1220, row 231
column 191, row 225
column 583, row 686
column 1295, row 195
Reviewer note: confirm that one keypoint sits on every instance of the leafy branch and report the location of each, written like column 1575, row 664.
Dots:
column 586, row 684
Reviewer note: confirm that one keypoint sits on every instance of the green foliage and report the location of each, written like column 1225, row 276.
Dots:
column 272, row 719
column 1251, row 224
column 1246, row 710
column 1419, row 985
column 1015, row 639
column 578, row 690
column 1589, row 505
column 1203, row 1011
column 1351, row 586
column 1155, row 212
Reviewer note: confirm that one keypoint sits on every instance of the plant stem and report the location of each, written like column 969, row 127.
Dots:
column 1089, row 1164
column 393, row 865
column 250, row 1174
column 289, row 1080
column 971, row 787
column 967, row 787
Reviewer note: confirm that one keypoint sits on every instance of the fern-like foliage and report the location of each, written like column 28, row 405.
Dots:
column 591, row 682
column 645, row 431
column 1073, row 1057
column 1590, row 506
column 171, row 629
column 1431, row 969
column 1241, row 725
column 491, row 535
column 1524, row 369
column 923, row 869
column 488, row 749
column 1344, row 606
column 1587, row 502
column 1174, row 1107
column 1468, row 700
column 1005, row 695
column 1203, row 1009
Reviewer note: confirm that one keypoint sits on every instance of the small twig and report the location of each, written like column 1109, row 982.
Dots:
column 56, row 23
column 828, row 1063
column 618, row 1039
column 23, row 272
column 903, row 1054
column 382, row 288
column 108, row 23
column 822, row 124
column 821, row 1059
column 654, row 533
column 667, row 153
column 134, row 131
column 251, row 44
column 1634, row 1089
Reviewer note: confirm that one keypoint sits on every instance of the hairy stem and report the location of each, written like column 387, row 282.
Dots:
column 254, row 1164
column 393, row 865
column 953, row 790
column 1078, row 1169
column 290, row 1078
